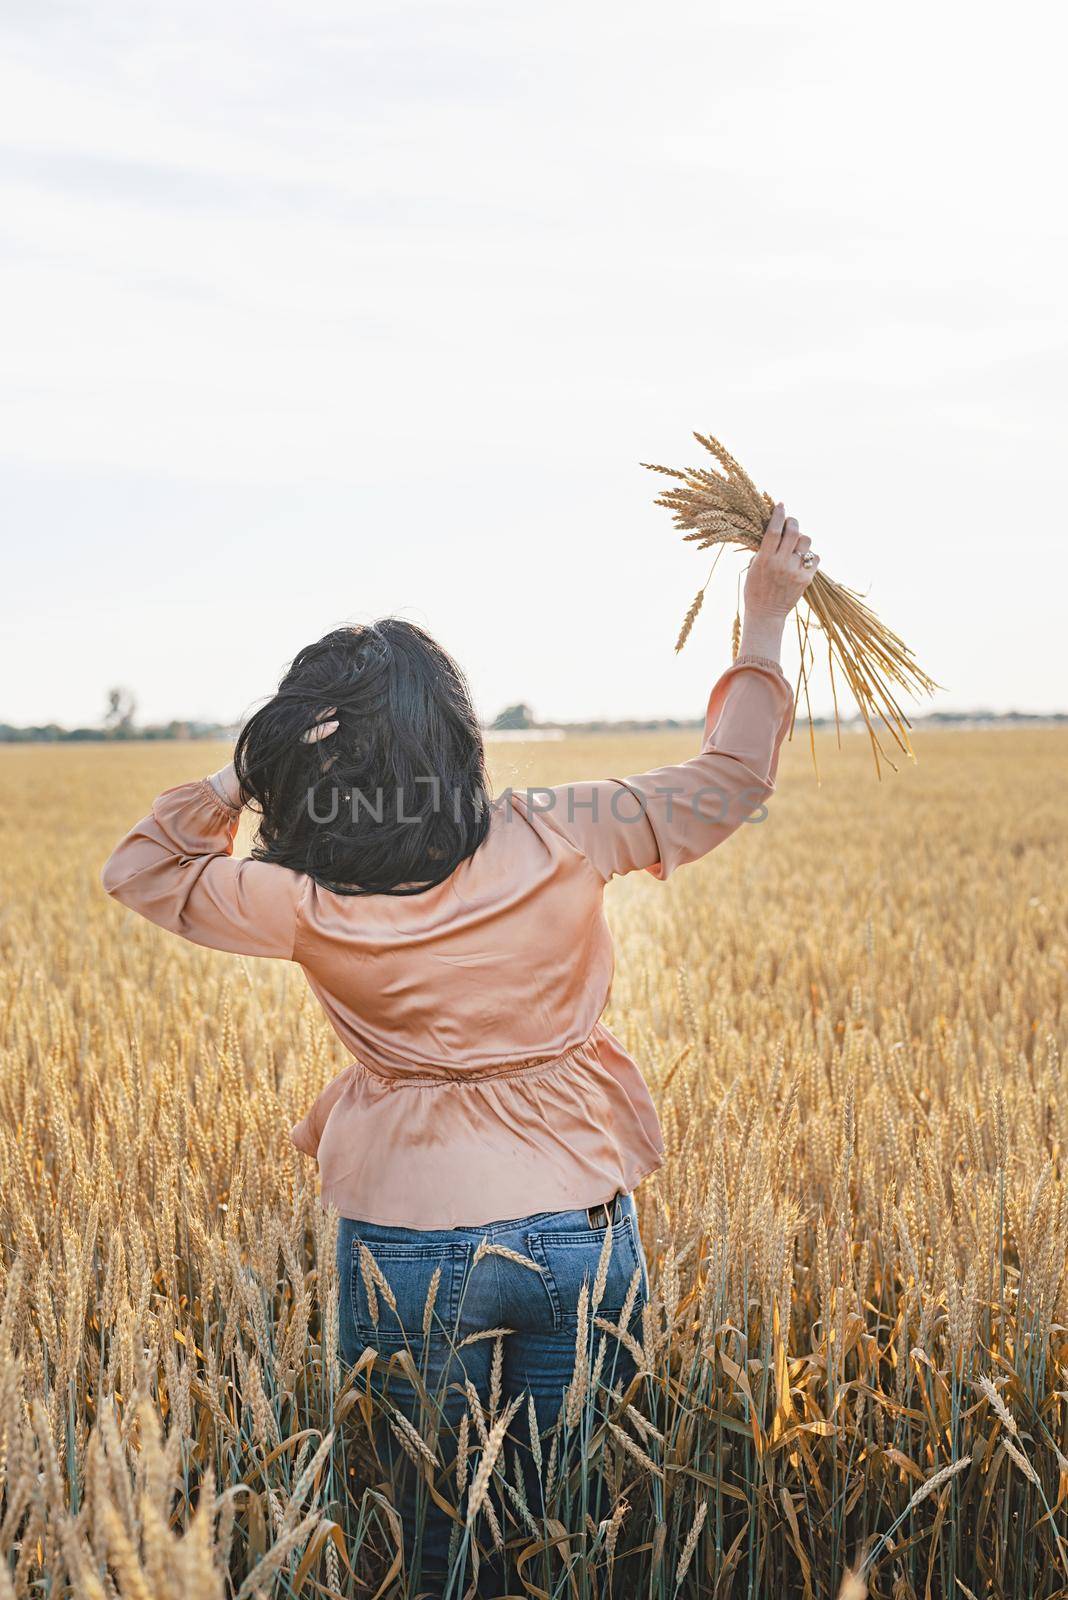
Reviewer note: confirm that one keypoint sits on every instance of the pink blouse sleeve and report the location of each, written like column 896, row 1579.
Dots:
column 662, row 819
column 175, row 868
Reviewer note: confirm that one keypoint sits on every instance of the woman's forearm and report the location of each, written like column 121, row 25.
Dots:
column 762, row 635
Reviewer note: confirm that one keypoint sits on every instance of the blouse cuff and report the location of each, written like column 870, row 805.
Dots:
column 220, row 801
column 759, row 661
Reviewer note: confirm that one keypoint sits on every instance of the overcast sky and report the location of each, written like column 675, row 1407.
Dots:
column 315, row 311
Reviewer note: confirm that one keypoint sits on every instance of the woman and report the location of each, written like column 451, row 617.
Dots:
column 460, row 951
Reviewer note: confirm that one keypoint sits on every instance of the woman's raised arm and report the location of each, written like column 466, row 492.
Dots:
column 660, row 820
column 175, row 868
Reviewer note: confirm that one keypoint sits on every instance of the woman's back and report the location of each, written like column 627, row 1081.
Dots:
column 483, row 1084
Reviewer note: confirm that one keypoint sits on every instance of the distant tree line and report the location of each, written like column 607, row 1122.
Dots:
column 53, row 733
column 118, row 724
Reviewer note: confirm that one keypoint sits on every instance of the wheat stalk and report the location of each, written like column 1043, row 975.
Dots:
column 724, row 507
column 691, row 1544
column 490, row 1451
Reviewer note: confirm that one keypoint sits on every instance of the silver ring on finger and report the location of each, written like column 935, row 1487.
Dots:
column 809, row 559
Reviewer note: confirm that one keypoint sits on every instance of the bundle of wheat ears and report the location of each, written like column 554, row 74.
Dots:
column 724, row 508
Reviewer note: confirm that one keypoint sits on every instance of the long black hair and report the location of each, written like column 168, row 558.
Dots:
column 395, row 799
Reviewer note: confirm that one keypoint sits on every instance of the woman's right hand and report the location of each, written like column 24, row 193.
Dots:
column 776, row 579
column 322, row 727
column 226, row 783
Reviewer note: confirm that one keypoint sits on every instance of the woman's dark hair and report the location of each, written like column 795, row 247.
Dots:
column 398, row 796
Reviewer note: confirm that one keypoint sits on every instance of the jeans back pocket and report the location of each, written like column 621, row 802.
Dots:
column 567, row 1259
column 400, row 1289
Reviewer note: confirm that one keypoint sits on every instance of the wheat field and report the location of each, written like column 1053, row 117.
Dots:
column 852, row 1373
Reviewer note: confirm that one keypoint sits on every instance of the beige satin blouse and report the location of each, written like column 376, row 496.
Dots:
column 483, row 1084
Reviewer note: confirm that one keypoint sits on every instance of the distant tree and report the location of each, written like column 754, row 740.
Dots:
column 118, row 718
column 518, row 716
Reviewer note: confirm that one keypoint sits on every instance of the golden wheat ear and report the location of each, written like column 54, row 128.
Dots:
column 725, row 508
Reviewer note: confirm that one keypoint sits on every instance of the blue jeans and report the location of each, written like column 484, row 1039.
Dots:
column 537, row 1301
